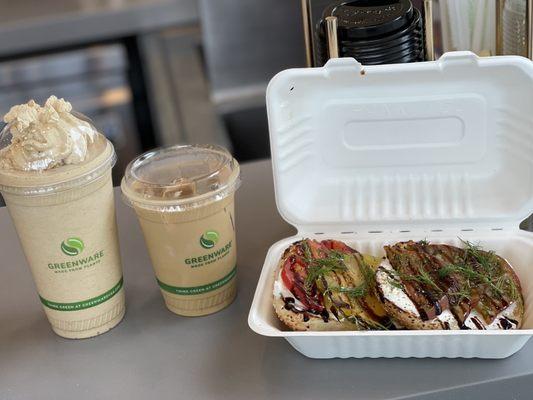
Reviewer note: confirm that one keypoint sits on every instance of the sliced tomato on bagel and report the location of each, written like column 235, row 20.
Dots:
column 287, row 273
column 337, row 246
column 317, row 249
column 294, row 273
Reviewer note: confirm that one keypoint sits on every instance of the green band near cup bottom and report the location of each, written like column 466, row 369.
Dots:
column 81, row 305
column 186, row 291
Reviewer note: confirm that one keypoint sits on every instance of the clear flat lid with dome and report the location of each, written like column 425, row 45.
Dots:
column 180, row 177
column 49, row 148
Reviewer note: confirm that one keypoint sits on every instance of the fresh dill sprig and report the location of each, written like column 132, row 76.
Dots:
column 307, row 251
column 314, row 272
column 486, row 309
column 369, row 275
column 480, row 267
column 365, row 324
column 393, row 278
column 487, row 260
column 318, row 267
column 514, row 292
column 473, row 278
column 359, row 291
column 336, row 261
column 395, row 283
column 422, row 277
column 460, row 295
column 507, row 285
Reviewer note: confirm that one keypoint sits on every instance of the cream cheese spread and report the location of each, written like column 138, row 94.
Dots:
column 474, row 318
column 392, row 293
column 446, row 317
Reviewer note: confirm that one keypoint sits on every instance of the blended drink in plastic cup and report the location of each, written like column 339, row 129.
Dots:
column 55, row 176
column 184, row 199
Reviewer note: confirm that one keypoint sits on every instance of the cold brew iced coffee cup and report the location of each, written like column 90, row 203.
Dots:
column 55, row 177
column 184, row 199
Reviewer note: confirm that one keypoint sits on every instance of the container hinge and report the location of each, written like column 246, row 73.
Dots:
column 402, row 231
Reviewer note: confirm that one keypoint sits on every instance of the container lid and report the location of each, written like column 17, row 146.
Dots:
column 395, row 147
column 50, row 148
column 363, row 19
column 180, row 177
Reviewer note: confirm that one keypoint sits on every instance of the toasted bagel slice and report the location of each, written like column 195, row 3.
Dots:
column 400, row 308
column 437, row 286
column 300, row 321
column 326, row 286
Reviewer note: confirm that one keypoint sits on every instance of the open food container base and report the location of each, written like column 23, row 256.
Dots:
column 515, row 246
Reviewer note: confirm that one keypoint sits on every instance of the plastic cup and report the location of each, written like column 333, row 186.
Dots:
column 65, row 220
column 184, row 199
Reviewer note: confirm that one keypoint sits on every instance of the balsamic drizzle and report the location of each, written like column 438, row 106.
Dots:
column 290, row 306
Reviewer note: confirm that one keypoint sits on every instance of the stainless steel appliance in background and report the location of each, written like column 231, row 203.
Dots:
column 177, row 88
column 245, row 44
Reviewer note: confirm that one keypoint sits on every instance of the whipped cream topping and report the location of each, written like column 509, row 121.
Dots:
column 45, row 137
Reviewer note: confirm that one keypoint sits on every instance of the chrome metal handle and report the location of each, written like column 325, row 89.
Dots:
column 333, row 43
column 307, row 32
column 529, row 28
column 428, row 30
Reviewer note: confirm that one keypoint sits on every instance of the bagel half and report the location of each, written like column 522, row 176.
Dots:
column 438, row 286
column 326, row 286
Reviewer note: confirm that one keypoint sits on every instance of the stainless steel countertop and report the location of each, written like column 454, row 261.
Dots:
column 156, row 354
column 30, row 25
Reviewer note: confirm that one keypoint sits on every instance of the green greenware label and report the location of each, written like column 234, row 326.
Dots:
column 184, row 291
column 209, row 239
column 82, row 305
column 209, row 258
column 72, row 246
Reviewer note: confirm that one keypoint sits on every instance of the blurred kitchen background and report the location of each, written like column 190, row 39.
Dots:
column 153, row 72
column 159, row 72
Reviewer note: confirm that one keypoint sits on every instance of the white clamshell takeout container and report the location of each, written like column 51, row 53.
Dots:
column 373, row 155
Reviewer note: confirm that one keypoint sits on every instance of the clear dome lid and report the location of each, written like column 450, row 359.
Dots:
column 180, row 177
column 49, row 148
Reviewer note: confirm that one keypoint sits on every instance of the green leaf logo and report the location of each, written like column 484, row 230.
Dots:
column 72, row 246
column 209, row 239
